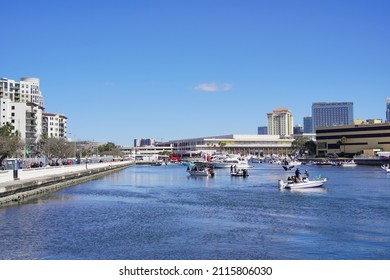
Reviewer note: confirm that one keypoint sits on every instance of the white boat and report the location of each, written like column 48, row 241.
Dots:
column 304, row 183
column 350, row 163
column 239, row 163
column 290, row 163
column 386, row 167
column 198, row 171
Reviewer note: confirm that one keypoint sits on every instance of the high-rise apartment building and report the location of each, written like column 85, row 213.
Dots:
column 332, row 114
column 280, row 122
column 26, row 90
column 21, row 105
column 387, row 109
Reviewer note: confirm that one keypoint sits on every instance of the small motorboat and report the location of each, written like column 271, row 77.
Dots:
column 199, row 171
column 240, row 173
column 292, row 183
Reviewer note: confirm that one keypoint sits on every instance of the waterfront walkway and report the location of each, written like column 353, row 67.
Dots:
column 36, row 181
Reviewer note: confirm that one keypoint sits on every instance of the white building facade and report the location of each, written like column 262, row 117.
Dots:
column 55, row 125
column 233, row 143
column 22, row 105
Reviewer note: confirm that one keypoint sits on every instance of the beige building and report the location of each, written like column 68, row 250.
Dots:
column 369, row 121
column 353, row 139
column 280, row 122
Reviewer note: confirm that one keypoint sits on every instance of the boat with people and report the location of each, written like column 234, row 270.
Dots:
column 293, row 183
column 239, row 173
column 201, row 171
column 301, row 182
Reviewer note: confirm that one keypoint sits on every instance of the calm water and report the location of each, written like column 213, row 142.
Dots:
column 148, row 212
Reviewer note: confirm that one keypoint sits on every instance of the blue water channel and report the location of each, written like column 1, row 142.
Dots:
column 159, row 212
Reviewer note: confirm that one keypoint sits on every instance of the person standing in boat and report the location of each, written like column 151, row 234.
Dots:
column 306, row 174
column 298, row 175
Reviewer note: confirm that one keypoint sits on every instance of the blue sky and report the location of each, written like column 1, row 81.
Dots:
column 180, row 69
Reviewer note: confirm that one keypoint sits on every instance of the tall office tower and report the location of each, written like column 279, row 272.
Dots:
column 332, row 114
column 387, row 109
column 280, row 122
column 308, row 125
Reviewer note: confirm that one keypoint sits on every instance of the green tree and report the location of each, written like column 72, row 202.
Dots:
column 110, row 149
column 311, row 147
column 298, row 145
column 10, row 143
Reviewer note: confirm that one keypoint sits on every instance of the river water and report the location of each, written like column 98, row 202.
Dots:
column 159, row 212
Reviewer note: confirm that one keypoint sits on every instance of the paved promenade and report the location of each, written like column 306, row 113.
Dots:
column 36, row 181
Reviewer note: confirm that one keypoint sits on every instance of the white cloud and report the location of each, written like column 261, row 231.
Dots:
column 213, row 87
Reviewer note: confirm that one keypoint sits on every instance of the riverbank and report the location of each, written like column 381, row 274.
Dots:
column 39, row 181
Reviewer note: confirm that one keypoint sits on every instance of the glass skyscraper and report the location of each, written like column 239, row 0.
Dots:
column 308, row 125
column 332, row 114
column 387, row 109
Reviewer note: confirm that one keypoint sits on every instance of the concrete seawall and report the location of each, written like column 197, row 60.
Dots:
column 47, row 180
